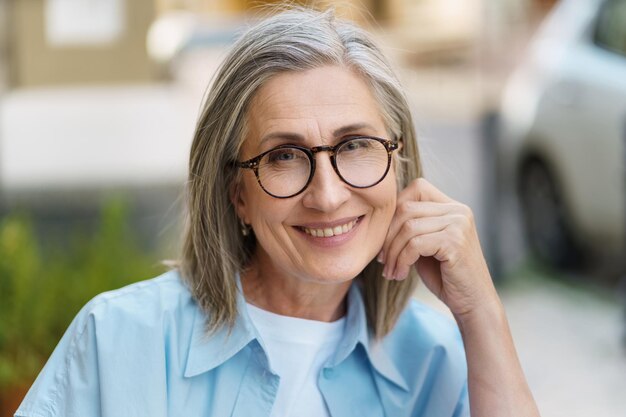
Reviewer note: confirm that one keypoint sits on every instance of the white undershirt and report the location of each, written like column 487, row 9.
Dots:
column 297, row 351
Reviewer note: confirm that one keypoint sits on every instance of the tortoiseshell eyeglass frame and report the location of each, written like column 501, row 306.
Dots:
column 253, row 163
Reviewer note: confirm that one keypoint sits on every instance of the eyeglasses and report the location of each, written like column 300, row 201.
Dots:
column 286, row 170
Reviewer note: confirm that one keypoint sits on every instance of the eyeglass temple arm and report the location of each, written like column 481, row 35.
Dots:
column 251, row 164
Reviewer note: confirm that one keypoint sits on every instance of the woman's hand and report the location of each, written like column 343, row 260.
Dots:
column 438, row 236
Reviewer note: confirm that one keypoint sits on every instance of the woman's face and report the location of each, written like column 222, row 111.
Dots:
column 315, row 107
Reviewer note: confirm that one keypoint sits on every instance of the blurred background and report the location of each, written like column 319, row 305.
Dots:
column 520, row 108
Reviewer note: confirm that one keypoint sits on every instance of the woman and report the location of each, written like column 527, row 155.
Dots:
column 307, row 221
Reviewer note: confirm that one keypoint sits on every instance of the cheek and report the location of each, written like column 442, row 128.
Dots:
column 390, row 188
column 262, row 209
column 250, row 198
column 389, row 209
column 383, row 199
column 389, row 197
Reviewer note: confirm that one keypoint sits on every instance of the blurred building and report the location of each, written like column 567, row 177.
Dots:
column 69, row 42
column 60, row 42
column 64, row 42
column 376, row 8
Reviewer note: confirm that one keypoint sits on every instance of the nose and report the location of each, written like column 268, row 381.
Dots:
column 326, row 192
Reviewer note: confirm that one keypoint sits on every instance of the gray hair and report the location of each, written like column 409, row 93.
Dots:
column 214, row 250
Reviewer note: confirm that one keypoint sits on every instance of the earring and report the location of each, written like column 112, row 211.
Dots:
column 245, row 229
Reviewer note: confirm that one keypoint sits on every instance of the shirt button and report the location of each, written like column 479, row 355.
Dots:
column 328, row 373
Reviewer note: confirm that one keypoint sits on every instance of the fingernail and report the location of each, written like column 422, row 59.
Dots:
column 399, row 273
column 386, row 274
column 379, row 258
column 404, row 273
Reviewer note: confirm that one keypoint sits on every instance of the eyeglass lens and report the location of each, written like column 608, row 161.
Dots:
column 361, row 162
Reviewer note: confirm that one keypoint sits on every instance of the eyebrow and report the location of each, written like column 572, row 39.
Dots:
column 296, row 137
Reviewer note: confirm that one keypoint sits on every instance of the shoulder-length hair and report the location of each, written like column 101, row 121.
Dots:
column 214, row 249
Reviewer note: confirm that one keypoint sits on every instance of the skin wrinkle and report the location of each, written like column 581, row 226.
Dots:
column 291, row 252
column 259, row 103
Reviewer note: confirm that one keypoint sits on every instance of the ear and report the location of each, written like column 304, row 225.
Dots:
column 400, row 144
column 398, row 153
column 238, row 200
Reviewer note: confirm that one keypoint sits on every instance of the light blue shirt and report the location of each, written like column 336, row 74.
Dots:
column 143, row 351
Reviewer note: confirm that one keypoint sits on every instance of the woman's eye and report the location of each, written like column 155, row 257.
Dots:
column 282, row 155
column 356, row 145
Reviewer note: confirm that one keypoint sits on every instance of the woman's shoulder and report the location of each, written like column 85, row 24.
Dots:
column 122, row 336
column 166, row 287
column 426, row 329
column 146, row 302
column 430, row 321
column 427, row 350
column 426, row 323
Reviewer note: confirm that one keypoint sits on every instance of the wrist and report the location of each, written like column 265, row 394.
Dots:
column 488, row 316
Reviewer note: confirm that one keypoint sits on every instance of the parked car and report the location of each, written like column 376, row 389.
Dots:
column 563, row 134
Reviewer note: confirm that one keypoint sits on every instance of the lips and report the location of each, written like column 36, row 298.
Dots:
column 330, row 230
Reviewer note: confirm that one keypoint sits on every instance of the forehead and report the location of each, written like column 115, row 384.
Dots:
column 313, row 104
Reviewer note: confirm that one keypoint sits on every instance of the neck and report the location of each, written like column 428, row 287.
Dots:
column 273, row 290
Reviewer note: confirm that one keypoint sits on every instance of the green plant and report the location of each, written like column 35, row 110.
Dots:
column 22, row 325
column 42, row 288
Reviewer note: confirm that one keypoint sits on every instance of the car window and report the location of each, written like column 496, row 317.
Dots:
column 610, row 31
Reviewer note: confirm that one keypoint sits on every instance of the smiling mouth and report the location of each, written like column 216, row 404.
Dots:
column 331, row 231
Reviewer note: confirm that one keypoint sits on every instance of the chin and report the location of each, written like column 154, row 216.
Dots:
column 338, row 274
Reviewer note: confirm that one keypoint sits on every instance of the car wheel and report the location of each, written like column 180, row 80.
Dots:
column 545, row 220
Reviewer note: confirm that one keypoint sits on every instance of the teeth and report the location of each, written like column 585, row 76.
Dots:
column 329, row 232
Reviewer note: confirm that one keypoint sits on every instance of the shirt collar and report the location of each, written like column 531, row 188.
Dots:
column 357, row 332
column 208, row 351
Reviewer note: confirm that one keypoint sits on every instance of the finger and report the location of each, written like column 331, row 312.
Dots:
column 426, row 245
column 456, row 238
column 422, row 190
column 411, row 228
column 409, row 210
